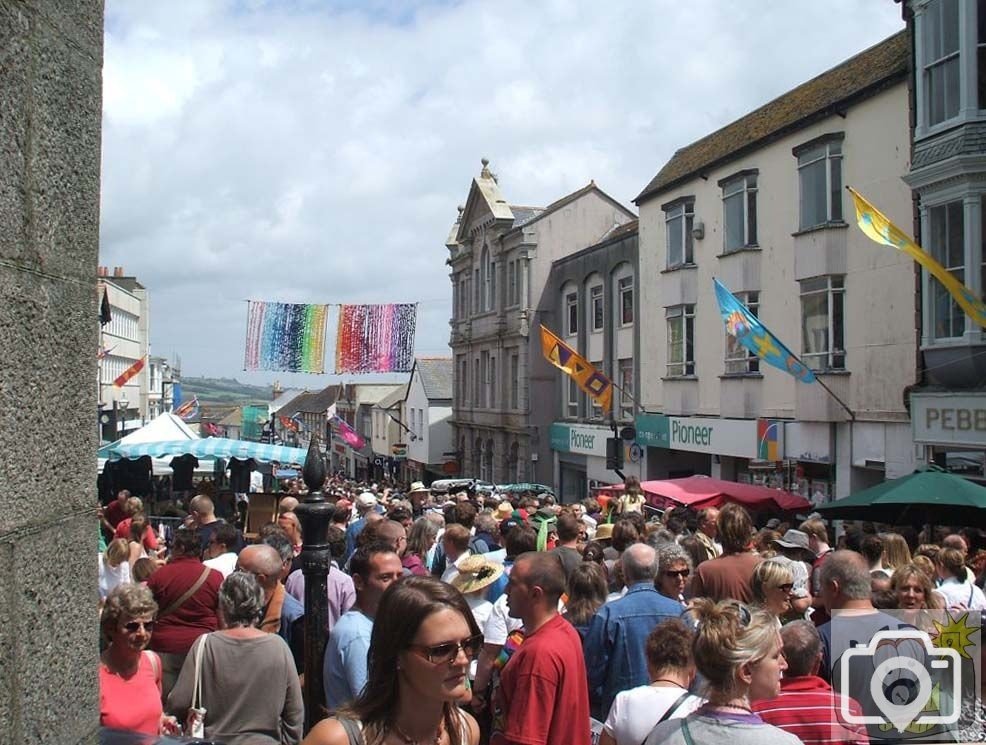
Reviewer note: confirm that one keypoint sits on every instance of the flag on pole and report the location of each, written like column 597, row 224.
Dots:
column 104, row 309
column 879, row 228
column 753, row 335
column 104, row 352
column 290, row 423
column 188, row 410
column 349, row 435
column 587, row 377
column 212, row 429
column 129, row 373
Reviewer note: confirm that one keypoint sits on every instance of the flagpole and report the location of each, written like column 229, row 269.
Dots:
column 852, row 416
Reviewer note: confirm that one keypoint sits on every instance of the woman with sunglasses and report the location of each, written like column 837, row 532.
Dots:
column 674, row 567
column 740, row 655
column 424, row 638
column 772, row 585
column 129, row 674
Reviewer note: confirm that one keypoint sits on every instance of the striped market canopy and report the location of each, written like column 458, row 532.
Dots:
column 210, row 447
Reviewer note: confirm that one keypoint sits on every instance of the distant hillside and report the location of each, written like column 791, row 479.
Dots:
column 225, row 391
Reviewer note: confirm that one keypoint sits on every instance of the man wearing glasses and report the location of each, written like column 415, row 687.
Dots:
column 542, row 697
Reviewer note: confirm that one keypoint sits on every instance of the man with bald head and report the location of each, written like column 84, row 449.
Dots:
column 615, row 644
column 283, row 614
column 202, row 511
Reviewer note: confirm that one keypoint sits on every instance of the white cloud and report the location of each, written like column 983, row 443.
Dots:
column 316, row 152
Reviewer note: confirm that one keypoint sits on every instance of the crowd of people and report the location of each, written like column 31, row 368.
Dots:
column 472, row 618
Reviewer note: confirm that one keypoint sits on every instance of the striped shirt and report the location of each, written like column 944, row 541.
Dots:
column 808, row 708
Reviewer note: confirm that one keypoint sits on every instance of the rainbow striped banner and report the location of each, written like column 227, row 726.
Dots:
column 376, row 338
column 285, row 336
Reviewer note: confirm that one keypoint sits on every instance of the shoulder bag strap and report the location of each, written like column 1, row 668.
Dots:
column 155, row 664
column 353, row 731
column 686, row 733
column 187, row 594
column 197, row 686
column 671, row 710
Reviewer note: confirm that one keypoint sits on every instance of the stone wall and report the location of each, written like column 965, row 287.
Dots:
column 51, row 54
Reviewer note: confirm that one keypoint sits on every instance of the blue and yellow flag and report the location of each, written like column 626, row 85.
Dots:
column 588, row 378
column 879, row 228
column 753, row 335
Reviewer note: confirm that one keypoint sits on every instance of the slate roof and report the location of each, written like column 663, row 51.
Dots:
column 524, row 214
column 436, row 377
column 857, row 78
column 320, row 401
column 391, row 399
column 568, row 199
column 286, row 397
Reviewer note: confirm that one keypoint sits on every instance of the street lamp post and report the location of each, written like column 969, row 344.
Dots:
column 314, row 513
column 123, row 403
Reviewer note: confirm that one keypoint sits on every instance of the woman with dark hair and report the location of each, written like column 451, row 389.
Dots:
column 419, row 542
column 636, row 711
column 248, row 684
column 587, row 590
column 424, row 638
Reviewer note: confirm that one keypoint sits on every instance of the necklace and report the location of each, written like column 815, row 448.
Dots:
column 675, row 683
column 737, row 707
column 408, row 740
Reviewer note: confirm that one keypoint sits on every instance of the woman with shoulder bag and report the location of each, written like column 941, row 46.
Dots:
column 129, row 674
column 244, row 678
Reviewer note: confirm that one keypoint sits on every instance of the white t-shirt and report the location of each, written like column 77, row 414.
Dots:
column 962, row 595
column 500, row 624
column 110, row 577
column 225, row 563
column 635, row 712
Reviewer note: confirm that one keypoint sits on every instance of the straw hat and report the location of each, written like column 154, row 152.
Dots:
column 418, row 486
column 504, row 510
column 604, row 532
column 475, row 573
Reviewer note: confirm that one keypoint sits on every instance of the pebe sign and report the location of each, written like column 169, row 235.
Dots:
column 949, row 418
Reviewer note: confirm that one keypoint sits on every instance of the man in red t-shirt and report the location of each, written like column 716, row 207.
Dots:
column 179, row 624
column 111, row 515
column 543, row 696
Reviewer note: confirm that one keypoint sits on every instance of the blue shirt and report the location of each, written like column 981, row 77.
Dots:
column 292, row 628
column 615, row 644
column 344, row 668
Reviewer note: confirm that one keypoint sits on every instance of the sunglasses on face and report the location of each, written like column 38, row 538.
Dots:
column 786, row 587
column 682, row 573
column 448, row 651
column 134, row 626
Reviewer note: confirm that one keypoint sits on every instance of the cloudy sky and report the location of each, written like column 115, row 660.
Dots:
column 315, row 151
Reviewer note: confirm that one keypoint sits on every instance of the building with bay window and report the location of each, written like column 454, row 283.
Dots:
column 948, row 176
column 761, row 206
column 500, row 258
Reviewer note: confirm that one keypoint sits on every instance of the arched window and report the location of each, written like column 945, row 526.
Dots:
column 488, row 279
column 486, row 473
column 569, row 310
column 477, row 456
column 595, row 317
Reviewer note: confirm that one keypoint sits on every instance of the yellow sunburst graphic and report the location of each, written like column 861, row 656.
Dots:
column 956, row 634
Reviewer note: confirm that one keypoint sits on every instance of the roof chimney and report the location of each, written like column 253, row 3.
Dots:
column 118, row 271
column 101, row 271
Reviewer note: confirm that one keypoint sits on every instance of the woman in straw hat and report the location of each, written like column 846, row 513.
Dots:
column 476, row 573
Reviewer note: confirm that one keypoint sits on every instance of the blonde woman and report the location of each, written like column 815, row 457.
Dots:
column 114, row 567
column 740, row 655
column 896, row 552
column 773, row 586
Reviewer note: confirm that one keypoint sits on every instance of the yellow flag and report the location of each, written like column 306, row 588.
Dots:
column 878, row 227
column 588, row 378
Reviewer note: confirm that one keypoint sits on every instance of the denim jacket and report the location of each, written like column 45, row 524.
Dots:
column 615, row 654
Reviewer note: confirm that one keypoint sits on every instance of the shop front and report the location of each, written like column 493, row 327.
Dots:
column 950, row 429
column 579, row 452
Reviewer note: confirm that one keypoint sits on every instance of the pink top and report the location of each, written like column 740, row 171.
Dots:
column 132, row 703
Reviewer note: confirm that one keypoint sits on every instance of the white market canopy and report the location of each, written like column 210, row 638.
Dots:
column 210, row 447
column 165, row 427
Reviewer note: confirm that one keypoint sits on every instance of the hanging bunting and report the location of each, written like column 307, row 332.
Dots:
column 376, row 338
column 285, row 336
